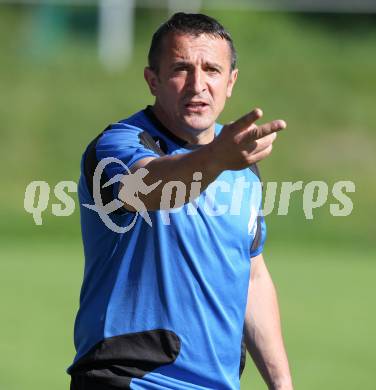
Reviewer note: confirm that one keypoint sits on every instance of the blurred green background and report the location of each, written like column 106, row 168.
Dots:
column 317, row 71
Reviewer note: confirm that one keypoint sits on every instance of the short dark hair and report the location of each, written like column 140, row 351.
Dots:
column 190, row 24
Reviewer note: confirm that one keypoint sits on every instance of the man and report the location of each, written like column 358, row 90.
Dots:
column 164, row 301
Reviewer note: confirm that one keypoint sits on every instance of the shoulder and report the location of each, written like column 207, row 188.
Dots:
column 125, row 129
column 128, row 132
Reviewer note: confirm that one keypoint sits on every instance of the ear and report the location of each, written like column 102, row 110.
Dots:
column 151, row 79
column 231, row 82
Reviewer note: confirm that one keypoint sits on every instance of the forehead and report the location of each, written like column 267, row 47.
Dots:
column 204, row 47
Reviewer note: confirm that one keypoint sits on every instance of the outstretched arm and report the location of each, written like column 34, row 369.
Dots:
column 239, row 145
column 263, row 334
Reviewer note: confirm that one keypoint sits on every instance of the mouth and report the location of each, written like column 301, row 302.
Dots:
column 196, row 106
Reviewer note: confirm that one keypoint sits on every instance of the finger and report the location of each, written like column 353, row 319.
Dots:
column 260, row 155
column 246, row 120
column 256, row 146
column 247, row 140
column 261, row 131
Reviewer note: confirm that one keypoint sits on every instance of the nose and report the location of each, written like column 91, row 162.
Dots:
column 197, row 82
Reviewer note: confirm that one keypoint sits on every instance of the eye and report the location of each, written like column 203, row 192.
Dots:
column 180, row 69
column 212, row 70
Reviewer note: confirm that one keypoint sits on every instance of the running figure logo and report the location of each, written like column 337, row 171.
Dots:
column 131, row 185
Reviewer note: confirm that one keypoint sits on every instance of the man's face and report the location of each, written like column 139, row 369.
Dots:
column 193, row 82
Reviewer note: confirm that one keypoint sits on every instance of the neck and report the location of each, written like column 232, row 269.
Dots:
column 191, row 136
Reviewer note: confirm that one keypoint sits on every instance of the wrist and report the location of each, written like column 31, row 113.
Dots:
column 282, row 384
column 214, row 160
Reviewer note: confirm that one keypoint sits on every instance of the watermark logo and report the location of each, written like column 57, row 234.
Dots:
column 219, row 198
column 37, row 196
column 132, row 184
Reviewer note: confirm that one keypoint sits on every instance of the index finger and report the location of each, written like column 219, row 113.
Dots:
column 268, row 128
column 247, row 120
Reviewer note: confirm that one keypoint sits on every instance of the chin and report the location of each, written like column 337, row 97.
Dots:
column 198, row 124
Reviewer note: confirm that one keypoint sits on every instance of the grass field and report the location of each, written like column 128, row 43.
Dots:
column 315, row 71
column 326, row 299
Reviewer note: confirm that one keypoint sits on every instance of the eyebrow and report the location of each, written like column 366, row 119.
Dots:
column 214, row 65
column 189, row 64
column 181, row 63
